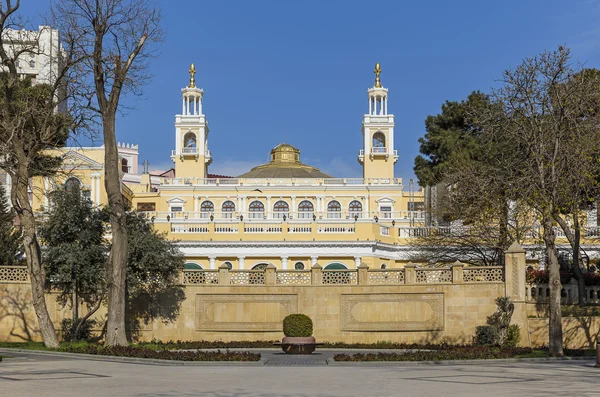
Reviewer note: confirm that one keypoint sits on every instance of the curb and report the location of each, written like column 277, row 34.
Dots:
column 134, row 360
column 333, row 363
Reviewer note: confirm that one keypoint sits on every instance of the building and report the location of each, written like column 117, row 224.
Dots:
column 284, row 212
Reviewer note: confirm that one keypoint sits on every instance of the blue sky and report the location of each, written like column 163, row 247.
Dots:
column 298, row 71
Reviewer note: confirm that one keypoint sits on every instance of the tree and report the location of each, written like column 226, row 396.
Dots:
column 115, row 38
column 75, row 252
column 449, row 135
column 10, row 236
column 537, row 125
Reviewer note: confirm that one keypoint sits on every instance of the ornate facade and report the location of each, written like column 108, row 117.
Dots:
column 285, row 212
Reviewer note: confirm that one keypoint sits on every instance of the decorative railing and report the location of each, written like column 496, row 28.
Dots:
column 340, row 277
column 262, row 228
column 189, row 228
column 281, row 181
column 200, row 277
column 569, row 294
column 391, row 276
column 336, row 228
column 247, row 277
column 14, row 274
column 300, row 228
column 433, row 276
column 294, row 277
column 483, row 274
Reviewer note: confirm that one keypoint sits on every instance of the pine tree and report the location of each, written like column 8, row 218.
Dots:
column 10, row 235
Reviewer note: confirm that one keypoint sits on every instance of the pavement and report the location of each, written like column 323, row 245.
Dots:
column 32, row 374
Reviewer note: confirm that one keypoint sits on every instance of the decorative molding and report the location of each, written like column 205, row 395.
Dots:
column 204, row 322
column 434, row 323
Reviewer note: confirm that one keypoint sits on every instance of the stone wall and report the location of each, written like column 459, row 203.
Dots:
column 361, row 305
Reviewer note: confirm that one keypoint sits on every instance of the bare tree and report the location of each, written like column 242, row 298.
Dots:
column 115, row 37
column 30, row 126
column 537, row 125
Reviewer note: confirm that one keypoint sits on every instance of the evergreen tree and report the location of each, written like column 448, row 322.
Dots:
column 10, row 235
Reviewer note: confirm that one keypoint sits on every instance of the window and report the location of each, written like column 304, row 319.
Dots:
column 72, row 184
column 146, row 206
column 306, row 209
column 378, row 140
column 281, row 209
column 299, row 266
column 355, row 209
column 189, row 140
column 177, row 208
column 383, row 266
column 228, row 208
column 124, row 165
column 206, row 208
column 257, row 210
column 229, row 265
column 32, row 64
column 386, row 212
column 260, row 266
column 86, row 195
column 192, row 266
column 335, row 266
column 334, row 209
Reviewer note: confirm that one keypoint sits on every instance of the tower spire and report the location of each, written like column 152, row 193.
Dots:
column 192, row 76
column 377, row 73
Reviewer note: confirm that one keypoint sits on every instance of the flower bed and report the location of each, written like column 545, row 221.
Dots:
column 449, row 353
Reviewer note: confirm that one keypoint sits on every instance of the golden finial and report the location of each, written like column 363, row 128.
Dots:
column 192, row 76
column 377, row 73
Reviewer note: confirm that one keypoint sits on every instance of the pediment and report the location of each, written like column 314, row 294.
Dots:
column 386, row 200
column 75, row 160
column 176, row 200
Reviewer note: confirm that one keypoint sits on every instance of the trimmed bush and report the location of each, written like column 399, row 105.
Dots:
column 69, row 328
column 513, row 336
column 297, row 325
column 450, row 353
column 486, row 335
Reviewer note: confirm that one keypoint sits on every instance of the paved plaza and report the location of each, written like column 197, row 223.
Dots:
column 30, row 375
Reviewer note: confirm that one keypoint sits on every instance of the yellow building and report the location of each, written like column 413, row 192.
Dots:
column 285, row 212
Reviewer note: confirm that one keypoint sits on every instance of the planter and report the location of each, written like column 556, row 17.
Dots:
column 298, row 345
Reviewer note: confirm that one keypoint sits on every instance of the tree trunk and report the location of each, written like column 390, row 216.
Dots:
column 117, row 262
column 37, row 274
column 576, row 260
column 555, row 320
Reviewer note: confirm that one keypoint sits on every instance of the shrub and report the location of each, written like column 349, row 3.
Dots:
column 69, row 328
column 449, row 353
column 297, row 325
column 513, row 336
column 486, row 335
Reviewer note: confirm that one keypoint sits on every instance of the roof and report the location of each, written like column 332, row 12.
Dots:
column 285, row 163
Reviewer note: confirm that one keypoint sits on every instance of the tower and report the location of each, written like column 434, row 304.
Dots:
column 191, row 155
column 378, row 155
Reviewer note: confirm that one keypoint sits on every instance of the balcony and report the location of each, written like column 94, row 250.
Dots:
column 378, row 151
column 192, row 152
column 278, row 181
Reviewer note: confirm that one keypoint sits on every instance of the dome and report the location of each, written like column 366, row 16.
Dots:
column 285, row 163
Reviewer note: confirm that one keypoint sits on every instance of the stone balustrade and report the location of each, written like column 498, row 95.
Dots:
column 540, row 293
column 411, row 274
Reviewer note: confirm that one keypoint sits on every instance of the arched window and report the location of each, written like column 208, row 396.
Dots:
column 355, row 209
column 72, row 184
column 260, row 266
column 124, row 165
column 299, row 266
column 189, row 140
column 305, row 209
column 228, row 208
column 228, row 264
column 334, row 209
column 281, row 209
column 256, row 210
column 378, row 140
column 383, row 266
column 206, row 208
column 335, row 266
column 192, row 266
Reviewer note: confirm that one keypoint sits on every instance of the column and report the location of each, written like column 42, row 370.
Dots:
column 284, row 262
column 212, row 262
column 294, row 210
column 93, row 189
column 370, row 105
column 8, row 190
column 183, row 105
column 356, row 261
column 199, row 106
column 313, row 260
column 367, row 215
column 269, row 209
column 46, row 192
column 385, row 107
column 241, row 261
